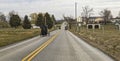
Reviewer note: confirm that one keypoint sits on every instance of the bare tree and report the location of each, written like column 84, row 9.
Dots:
column 2, row 17
column 12, row 13
column 118, row 15
column 70, row 20
column 106, row 14
column 87, row 12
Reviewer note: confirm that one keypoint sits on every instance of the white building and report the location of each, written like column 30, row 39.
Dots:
column 34, row 26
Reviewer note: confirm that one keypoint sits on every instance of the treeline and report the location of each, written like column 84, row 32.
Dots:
column 15, row 20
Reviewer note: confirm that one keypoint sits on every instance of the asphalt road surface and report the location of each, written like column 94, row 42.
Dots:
column 64, row 47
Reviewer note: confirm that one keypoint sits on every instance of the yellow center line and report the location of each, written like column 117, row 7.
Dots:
column 39, row 49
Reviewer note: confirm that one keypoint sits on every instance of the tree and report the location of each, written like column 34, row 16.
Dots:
column 2, row 17
column 26, row 23
column 33, row 17
column 87, row 12
column 118, row 15
column 106, row 14
column 11, row 13
column 70, row 21
column 48, row 20
column 15, row 21
column 53, row 19
column 39, row 20
column 4, row 24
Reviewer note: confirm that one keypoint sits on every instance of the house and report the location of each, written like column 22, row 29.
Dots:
column 95, row 19
column 79, row 19
column 91, row 20
column 115, row 20
column 98, row 20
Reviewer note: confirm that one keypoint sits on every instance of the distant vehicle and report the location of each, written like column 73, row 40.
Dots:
column 44, row 30
column 59, row 27
column 66, row 27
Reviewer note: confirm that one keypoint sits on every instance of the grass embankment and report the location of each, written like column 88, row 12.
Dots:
column 9, row 36
column 107, row 40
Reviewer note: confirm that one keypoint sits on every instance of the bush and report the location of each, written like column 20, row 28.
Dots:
column 4, row 24
column 15, row 21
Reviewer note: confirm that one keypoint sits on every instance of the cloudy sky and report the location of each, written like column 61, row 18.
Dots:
column 57, row 7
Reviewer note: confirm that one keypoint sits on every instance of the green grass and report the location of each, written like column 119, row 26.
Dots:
column 107, row 40
column 9, row 36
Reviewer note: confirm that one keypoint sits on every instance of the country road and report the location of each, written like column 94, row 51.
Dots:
column 64, row 47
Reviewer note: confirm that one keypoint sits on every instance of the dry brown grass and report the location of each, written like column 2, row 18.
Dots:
column 9, row 36
column 108, row 41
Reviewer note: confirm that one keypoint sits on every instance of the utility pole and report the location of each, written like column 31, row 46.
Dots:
column 76, row 11
column 76, row 15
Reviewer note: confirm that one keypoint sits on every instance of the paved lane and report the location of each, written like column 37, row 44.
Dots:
column 68, row 47
column 65, row 47
column 18, row 51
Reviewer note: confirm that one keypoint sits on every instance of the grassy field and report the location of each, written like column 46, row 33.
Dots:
column 9, row 36
column 107, row 39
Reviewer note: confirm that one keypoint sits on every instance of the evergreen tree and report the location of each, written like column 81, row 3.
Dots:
column 39, row 20
column 53, row 19
column 48, row 21
column 15, row 21
column 26, row 23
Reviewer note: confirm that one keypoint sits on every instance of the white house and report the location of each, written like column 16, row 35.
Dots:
column 34, row 26
column 80, row 21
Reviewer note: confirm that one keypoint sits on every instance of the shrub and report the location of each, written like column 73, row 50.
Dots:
column 4, row 24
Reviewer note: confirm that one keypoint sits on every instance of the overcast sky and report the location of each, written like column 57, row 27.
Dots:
column 58, row 7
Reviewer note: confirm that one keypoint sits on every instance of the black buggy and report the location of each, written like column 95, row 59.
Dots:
column 44, row 30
